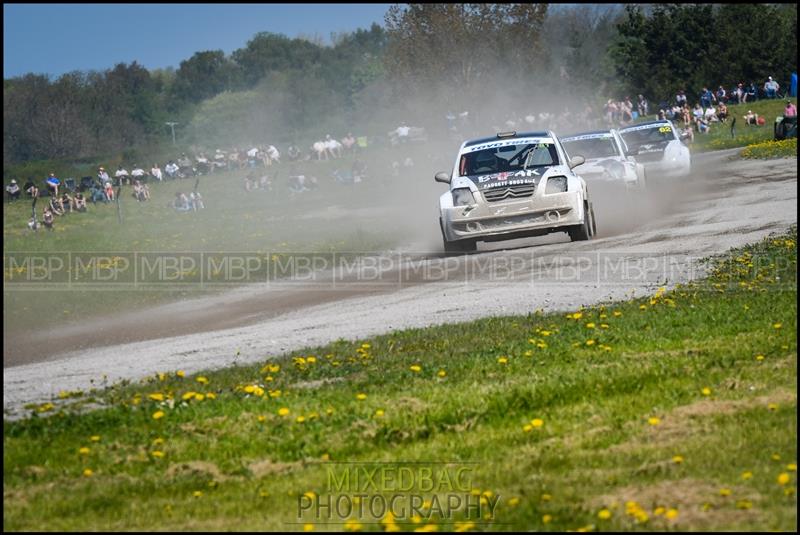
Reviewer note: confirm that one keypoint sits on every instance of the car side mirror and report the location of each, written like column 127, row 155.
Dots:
column 442, row 177
column 575, row 161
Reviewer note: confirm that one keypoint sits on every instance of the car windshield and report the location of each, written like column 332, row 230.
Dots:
column 591, row 147
column 656, row 133
column 507, row 158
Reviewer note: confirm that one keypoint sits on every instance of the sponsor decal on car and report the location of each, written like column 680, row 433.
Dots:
column 647, row 127
column 505, row 143
column 587, row 136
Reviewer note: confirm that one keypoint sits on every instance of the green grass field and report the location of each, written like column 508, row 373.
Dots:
column 673, row 412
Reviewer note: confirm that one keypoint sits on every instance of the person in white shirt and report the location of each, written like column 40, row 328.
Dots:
column 172, row 169
column 155, row 172
column 122, row 175
column 102, row 176
column 137, row 172
column 274, row 154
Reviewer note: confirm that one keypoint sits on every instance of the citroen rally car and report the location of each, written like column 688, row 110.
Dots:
column 513, row 185
column 657, row 146
column 607, row 159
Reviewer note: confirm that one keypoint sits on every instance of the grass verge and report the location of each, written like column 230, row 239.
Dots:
column 786, row 148
column 676, row 411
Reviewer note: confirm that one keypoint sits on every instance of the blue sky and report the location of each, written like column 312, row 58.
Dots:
column 58, row 38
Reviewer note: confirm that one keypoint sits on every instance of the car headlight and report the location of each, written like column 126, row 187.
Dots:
column 556, row 184
column 462, row 197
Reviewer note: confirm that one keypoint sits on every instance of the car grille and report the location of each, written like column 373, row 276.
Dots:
column 509, row 193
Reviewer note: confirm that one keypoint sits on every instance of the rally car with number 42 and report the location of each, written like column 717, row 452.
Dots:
column 513, row 185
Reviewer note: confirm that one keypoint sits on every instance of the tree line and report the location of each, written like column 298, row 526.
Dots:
column 429, row 57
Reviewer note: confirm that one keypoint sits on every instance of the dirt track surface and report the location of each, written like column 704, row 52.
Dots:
column 642, row 244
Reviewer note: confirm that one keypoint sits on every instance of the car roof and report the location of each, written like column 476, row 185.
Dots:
column 517, row 135
column 592, row 133
column 647, row 123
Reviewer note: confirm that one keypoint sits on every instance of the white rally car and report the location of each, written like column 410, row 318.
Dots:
column 607, row 159
column 512, row 186
column 657, row 146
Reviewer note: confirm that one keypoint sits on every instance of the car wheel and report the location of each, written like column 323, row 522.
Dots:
column 583, row 231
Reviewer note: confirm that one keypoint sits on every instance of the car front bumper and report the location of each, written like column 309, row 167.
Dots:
column 491, row 221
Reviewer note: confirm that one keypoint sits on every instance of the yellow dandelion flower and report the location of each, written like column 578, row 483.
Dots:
column 776, row 457
column 604, row 325
column 541, row 345
column 677, row 459
column 783, row 478
column 604, row 514
column 262, row 418
column 546, row 333
column 283, row 411
column 442, row 373
column 88, row 472
column 427, row 528
column 157, row 453
column 659, row 511
column 642, row 307
column 759, row 357
column 546, row 519
column 513, row 502
column 211, row 395
column 744, row 504
column 84, row 451
column 537, row 422
column 792, row 467
column 361, row 397
column 249, row 389
column 777, row 325
column 197, row 493
column 590, row 342
column 772, row 406
column 353, row 525
column 653, row 420
column 180, row 373
column 617, row 313
column 577, row 315
column 158, row 415
column 527, row 428
column 308, row 527
column 95, row 438
column 671, row 514
column 724, row 492
column 300, row 419
column 188, row 395
column 158, row 441
column 706, row 391
column 546, row 497
column 156, row 396
column 591, row 326
column 462, row 526
column 415, row 368
column 502, row 360
column 747, row 475
column 379, row 413
column 202, row 380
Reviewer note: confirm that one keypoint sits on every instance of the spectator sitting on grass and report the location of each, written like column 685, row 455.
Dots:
column 697, row 112
column 722, row 112
column 97, row 193
column 686, row 115
column 56, row 206
column 790, row 110
column 274, row 154
column 294, row 153
column 721, row 95
column 67, row 202
column 265, row 183
column 155, row 172
column 138, row 172
column 102, row 176
column 751, row 95
column 680, row 98
column 703, row 126
column 196, row 201
column 751, row 119
column 220, row 161
column 710, row 115
column 181, row 202
column 171, row 169
column 122, row 176
column 139, row 191
column 771, row 88
column 13, row 190
column 349, row 142
column 80, row 202
column 47, row 218
column 52, row 184
column 30, row 188
column 109, row 191
column 250, row 182
column 688, row 133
